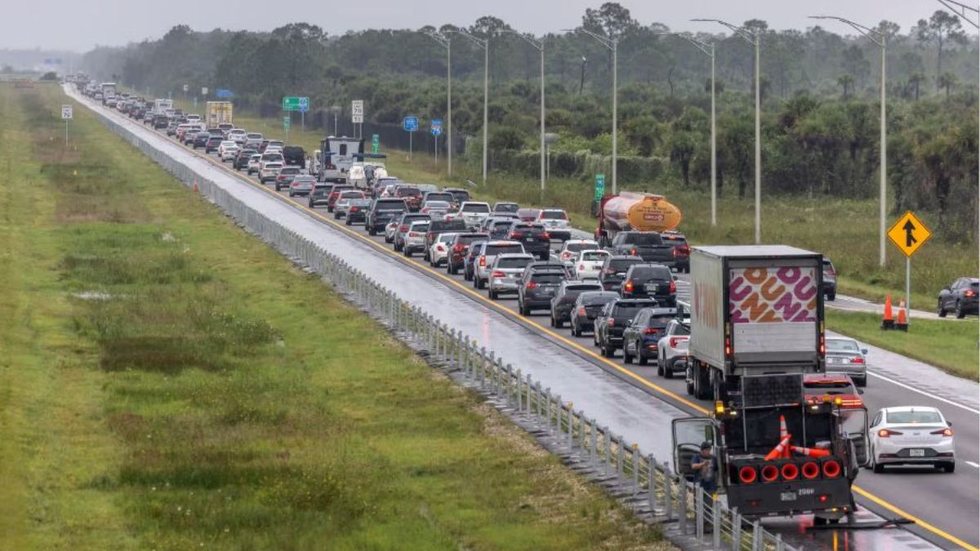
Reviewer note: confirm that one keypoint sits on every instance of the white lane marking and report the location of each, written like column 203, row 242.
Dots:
column 933, row 396
column 972, row 464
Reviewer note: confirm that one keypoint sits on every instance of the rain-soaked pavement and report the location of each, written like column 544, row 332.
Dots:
column 618, row 397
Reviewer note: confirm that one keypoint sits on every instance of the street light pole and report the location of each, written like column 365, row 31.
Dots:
column 611, row 44
column 539, row 45
column 447, row 43
column 709, row 50
column 755, row 40
column 485, row 44
column 878, row 38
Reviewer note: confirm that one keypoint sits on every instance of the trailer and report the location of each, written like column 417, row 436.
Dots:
column 218, row 113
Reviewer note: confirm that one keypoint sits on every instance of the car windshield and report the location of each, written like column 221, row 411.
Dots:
column 629, row 309
column 912, row 416
column 622, row 264
column 437, row 204
column 548, row 277
column 419, row 226
column 476, row 207
column 447, row 197
column 660, row 322
column 644, row 238
column 493, row 250
column 595, row 256
column 468, row 239
column 408, row 192
column 505, row 207
column 351, row 195
column 841, row 345
column 682, row 330
column 652, row 272
column 514, row 262
column 304, row 180
column 390, row 205
column 274, row 165
column 290, row 170
column 576, row 247
column 460, row 196
column 446, row 237
column 553, row 215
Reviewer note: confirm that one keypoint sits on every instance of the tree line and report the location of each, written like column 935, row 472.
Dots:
column 819, row 90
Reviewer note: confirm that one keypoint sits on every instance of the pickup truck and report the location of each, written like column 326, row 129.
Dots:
column 534, row 237
column 647, row 245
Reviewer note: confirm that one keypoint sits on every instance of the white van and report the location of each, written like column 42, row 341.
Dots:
column 337, row 156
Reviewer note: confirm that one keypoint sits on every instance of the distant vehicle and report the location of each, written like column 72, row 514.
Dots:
column 641, row 338
column 487, row 252
column 357, row 177
column 912, row 436
column 556, row 221
column 411, row 194
column 844, row 355
column 588, row 264
column 357, row 211
column 497, row 227
column 253, row 163
column 342, row 203
column 612, row 321
column 228, row 150
column 506, row 273
column 435, row 209
column 439, row 226
column 641, row 212
column 301, row 184
column 439, row 251
column 527, row 214
column 217, row 113
column 440, row 196
column 652, row 281
column 335, row 192
column 587, row 306
column 461, row 195
column 414, row 239
column 614, row 269
column 647, row 245
column 960, row 297
column 318, row 197
column 382, row 211
column 294, row 155
column 337, row 156
column 817, row 387
column 571, row 247
column 213, row 143
column 534, row 237
column 672, row 348
column 241, row 159
column 253, row 140
column 285, row 177
column 459, row 248
column 473, row 213
column 538, row 287
column 238, row 135
column 829, row 279
column 564, row 301
column 269, row 171
column 506, row 207
column 682, row 251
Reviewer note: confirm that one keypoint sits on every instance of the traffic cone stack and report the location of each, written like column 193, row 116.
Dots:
column 783, row 433
column 903, row 320
column 778, row 451
column 887, row 320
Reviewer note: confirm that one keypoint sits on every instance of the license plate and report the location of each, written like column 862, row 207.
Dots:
column 917, row 453
column 652, row 287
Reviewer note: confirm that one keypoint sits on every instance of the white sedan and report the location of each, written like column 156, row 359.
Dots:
column 228, row 150
column 572, row 247
column 911, row 435
column 588, row 263
column 439, row 251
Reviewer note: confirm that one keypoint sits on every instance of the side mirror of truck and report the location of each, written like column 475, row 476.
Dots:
column 864, row 351
column 675, row 277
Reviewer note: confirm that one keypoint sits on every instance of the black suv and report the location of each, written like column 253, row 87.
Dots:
column 642, row 336
column 564, row 301
column 460, row 248
column 614, row 270
column 383, row 211
column 587, row 306
column 534, row 237
column 538, row 287
column 213, row 143
column 438, row 227
column 650, row 280
column 241, row 160
column 318, row 197
column 611, row 322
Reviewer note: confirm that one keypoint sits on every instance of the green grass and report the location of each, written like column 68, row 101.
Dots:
column 949, row 345
column 170, row 382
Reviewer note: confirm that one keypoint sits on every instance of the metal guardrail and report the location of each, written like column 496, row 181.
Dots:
column 646, row 484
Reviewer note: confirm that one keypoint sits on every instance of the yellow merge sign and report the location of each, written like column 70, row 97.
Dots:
column 909, row 233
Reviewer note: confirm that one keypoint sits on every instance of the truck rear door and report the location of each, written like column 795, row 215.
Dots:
column 687, row 435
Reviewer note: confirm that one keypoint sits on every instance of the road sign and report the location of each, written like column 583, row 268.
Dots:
column 204, row 90
column 909, row 233
column 357, row 107
column 66, row 112
column 285, row 122
column 410, row 124
column 436, row 127
column 186, row 88
column 375, row 143
column 295, row 103
column 224, row 93
column 600, row 186
column 357, row 119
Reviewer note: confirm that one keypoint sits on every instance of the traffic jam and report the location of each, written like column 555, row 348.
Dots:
column 626, row 293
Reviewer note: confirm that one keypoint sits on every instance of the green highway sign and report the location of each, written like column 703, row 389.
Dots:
column 295, row 103
column 375, row 143
column 600, row 186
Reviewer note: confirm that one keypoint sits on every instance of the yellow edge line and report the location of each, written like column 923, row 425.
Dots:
column 860, row 491
column 919, row 522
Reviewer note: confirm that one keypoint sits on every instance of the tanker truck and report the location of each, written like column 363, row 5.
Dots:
column 630, row 224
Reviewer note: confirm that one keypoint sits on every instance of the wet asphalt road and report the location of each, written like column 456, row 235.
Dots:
column 950, row 502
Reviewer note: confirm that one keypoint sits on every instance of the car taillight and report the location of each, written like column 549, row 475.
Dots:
column 515, row 235
column 611, row 322
column 498, row 273
column 728, row 346
column 969, row 293
column 483, row 262
column 403, row 228
column 581, row 267
column 330, row 166
column 413, row 234
column 674, row 341
column 673, row 287
column 651, row 331
column 943, row 432
column 457, row 248
column 531, row 285
column 629, row 286
column 581, row 311
column 355, row 209
column 546, row 236
column 857, row 360
column 633, row 251
column 885, row 433
column 440, row 247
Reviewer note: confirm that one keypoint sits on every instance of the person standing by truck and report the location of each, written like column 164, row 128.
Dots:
column 705, row 468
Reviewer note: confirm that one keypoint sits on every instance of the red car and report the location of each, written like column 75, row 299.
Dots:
column 335, row 194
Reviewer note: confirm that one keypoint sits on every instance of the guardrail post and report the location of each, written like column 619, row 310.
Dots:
column 571, row 427
column 779, row 542
column 620, row 456
column 716, row 523
column 682, row 501
column 652, row 482
column 736, row 530
column 480, row 365
column 518, row 391
column 594, row 438
column 635, row 461
column 756, row 536
column 699, row 512
column 547, row 408
column 528, row 385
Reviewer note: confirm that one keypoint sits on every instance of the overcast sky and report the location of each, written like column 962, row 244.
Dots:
column 81, row 24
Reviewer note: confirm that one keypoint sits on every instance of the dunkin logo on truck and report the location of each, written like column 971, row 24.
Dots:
column 773, row 295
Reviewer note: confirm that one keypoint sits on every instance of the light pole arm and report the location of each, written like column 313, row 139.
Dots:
column 705, row 47
column 745, row 34
column 444, row 40
column 873, row 35
column 482, row 42
column 538, row 44
column 605, row 41
column 961, row 10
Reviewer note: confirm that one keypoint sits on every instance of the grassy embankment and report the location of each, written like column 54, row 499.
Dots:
column 169, row 382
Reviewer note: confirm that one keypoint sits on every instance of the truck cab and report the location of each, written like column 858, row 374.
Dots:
column 778, row 454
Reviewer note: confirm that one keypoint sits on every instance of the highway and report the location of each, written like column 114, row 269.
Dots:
column 945, row 505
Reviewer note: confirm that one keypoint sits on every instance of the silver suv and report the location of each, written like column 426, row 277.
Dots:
column 486, row 254
column 506, row 273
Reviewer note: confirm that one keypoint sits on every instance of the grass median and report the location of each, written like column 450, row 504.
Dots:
column 170, row 382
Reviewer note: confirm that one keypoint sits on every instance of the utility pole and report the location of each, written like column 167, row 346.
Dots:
column 539, row 45
column 878, row 38
column 447, row 43
column 755, row 40
column 485, row 44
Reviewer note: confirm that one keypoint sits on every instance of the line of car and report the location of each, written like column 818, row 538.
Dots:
column 629, row 305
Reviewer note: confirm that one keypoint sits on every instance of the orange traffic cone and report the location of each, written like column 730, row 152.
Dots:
column 783, row 433
column 903, row 320
column 811, row 452
column 778, row 450
column 887, row 321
